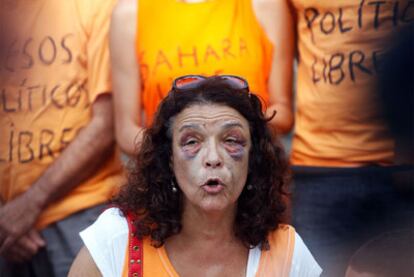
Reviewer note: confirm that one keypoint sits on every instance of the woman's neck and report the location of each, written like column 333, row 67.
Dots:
column 214, row 226
column 205, row 244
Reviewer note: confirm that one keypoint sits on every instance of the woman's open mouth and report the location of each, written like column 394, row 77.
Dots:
column 213, row 186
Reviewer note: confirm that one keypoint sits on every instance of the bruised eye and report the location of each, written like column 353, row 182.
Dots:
column 234, row 141
column 191, row 142
column 231, row 140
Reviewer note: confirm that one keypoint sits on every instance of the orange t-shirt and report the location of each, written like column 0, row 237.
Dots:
column 56, row 65
column 207, row 38
column 338, row 120
column 276, row 261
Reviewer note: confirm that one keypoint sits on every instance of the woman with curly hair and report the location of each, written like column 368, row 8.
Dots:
column 205, row 194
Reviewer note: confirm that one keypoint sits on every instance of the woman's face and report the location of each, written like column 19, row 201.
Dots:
column 211, row 146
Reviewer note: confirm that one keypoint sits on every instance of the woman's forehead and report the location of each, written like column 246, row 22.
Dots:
column 202, row 115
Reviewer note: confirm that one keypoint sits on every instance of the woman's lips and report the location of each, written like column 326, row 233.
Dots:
column 213, row 189
column 213, row 186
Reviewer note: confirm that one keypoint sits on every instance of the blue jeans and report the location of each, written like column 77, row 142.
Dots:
column 336, row 210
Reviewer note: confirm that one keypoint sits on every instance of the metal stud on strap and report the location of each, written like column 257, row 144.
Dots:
column 135, row 251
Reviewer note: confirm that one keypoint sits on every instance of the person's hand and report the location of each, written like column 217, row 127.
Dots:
column 25, row 247
column 17, row 217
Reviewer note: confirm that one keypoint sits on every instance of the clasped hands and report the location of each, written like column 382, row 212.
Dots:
column 19, row 241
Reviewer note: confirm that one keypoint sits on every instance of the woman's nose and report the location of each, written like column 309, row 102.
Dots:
column 213, row 158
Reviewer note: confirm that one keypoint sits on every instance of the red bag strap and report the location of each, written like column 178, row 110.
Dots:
column 135, row 251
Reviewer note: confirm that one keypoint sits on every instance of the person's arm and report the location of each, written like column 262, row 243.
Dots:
column 125, row 75
column 83, row 156
column 278, row 22
column 84, row 265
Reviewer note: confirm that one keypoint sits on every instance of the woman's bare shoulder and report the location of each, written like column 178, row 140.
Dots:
column 84, row 266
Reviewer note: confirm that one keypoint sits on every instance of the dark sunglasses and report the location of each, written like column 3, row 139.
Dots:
column 192, row 82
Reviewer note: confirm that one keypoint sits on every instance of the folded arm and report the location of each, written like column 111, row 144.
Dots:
column 82, row 157
column 125, row 76
column 277, row 20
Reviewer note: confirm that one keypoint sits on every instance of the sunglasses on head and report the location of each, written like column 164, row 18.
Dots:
column 193, row 81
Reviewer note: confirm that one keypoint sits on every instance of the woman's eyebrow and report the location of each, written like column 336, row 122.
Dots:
column 189, row 126
column 197, row 127
column 229, row 125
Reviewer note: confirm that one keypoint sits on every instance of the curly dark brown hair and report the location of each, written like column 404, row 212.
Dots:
column 148, row 195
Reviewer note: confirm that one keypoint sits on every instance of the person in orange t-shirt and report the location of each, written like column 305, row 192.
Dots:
column 342, row 151
column 154, row 41
column 57, row 159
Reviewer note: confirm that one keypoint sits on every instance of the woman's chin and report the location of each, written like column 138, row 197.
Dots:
column 216, row 205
